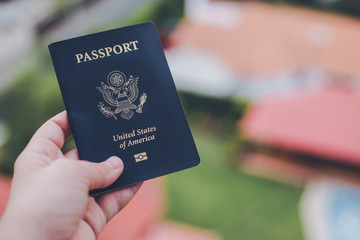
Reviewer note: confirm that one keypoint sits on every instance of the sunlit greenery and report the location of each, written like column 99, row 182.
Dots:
column 234, row 205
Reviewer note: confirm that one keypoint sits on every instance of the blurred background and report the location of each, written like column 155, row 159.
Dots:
column 271, row 92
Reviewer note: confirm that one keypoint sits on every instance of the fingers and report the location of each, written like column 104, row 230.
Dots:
column 99, row 175
column 111, row 203
column 91, row 176
column 72, row 154
column 94, row 216
column 50, row 137
column 45, row 146
column 100, row 211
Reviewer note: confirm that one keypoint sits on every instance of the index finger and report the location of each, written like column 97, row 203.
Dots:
column 50, row 137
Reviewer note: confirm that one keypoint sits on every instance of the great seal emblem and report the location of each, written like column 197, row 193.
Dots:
column 120, row 94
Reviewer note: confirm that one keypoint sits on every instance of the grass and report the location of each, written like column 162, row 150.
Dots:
column 230, row 203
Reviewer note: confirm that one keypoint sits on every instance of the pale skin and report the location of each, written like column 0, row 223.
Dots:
column 49, row 197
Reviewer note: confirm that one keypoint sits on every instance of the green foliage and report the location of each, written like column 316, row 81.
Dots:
column 215, row 115
column 169, row 13
column 33, row 97
column 230, row 203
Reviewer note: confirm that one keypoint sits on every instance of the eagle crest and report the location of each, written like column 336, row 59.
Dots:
column 120, row 94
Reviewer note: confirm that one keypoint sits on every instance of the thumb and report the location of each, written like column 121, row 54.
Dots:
column 100, row 175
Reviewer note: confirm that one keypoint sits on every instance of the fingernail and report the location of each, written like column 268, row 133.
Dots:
column 114, row 162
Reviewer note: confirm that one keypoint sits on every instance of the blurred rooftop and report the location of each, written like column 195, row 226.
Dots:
column 323, row 123
column 267, row 39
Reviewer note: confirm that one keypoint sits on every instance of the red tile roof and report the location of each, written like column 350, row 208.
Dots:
column 274, row 38
column 324, row 123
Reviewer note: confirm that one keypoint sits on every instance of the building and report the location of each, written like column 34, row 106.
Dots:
column 304, row 134
column 251, row 49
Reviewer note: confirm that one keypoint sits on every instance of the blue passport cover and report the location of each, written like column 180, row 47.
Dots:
column 121, row 101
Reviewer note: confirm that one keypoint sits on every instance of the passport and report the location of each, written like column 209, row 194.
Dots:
column 121, row 101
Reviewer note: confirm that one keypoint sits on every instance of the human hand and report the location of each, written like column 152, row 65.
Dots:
column 49, row 197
